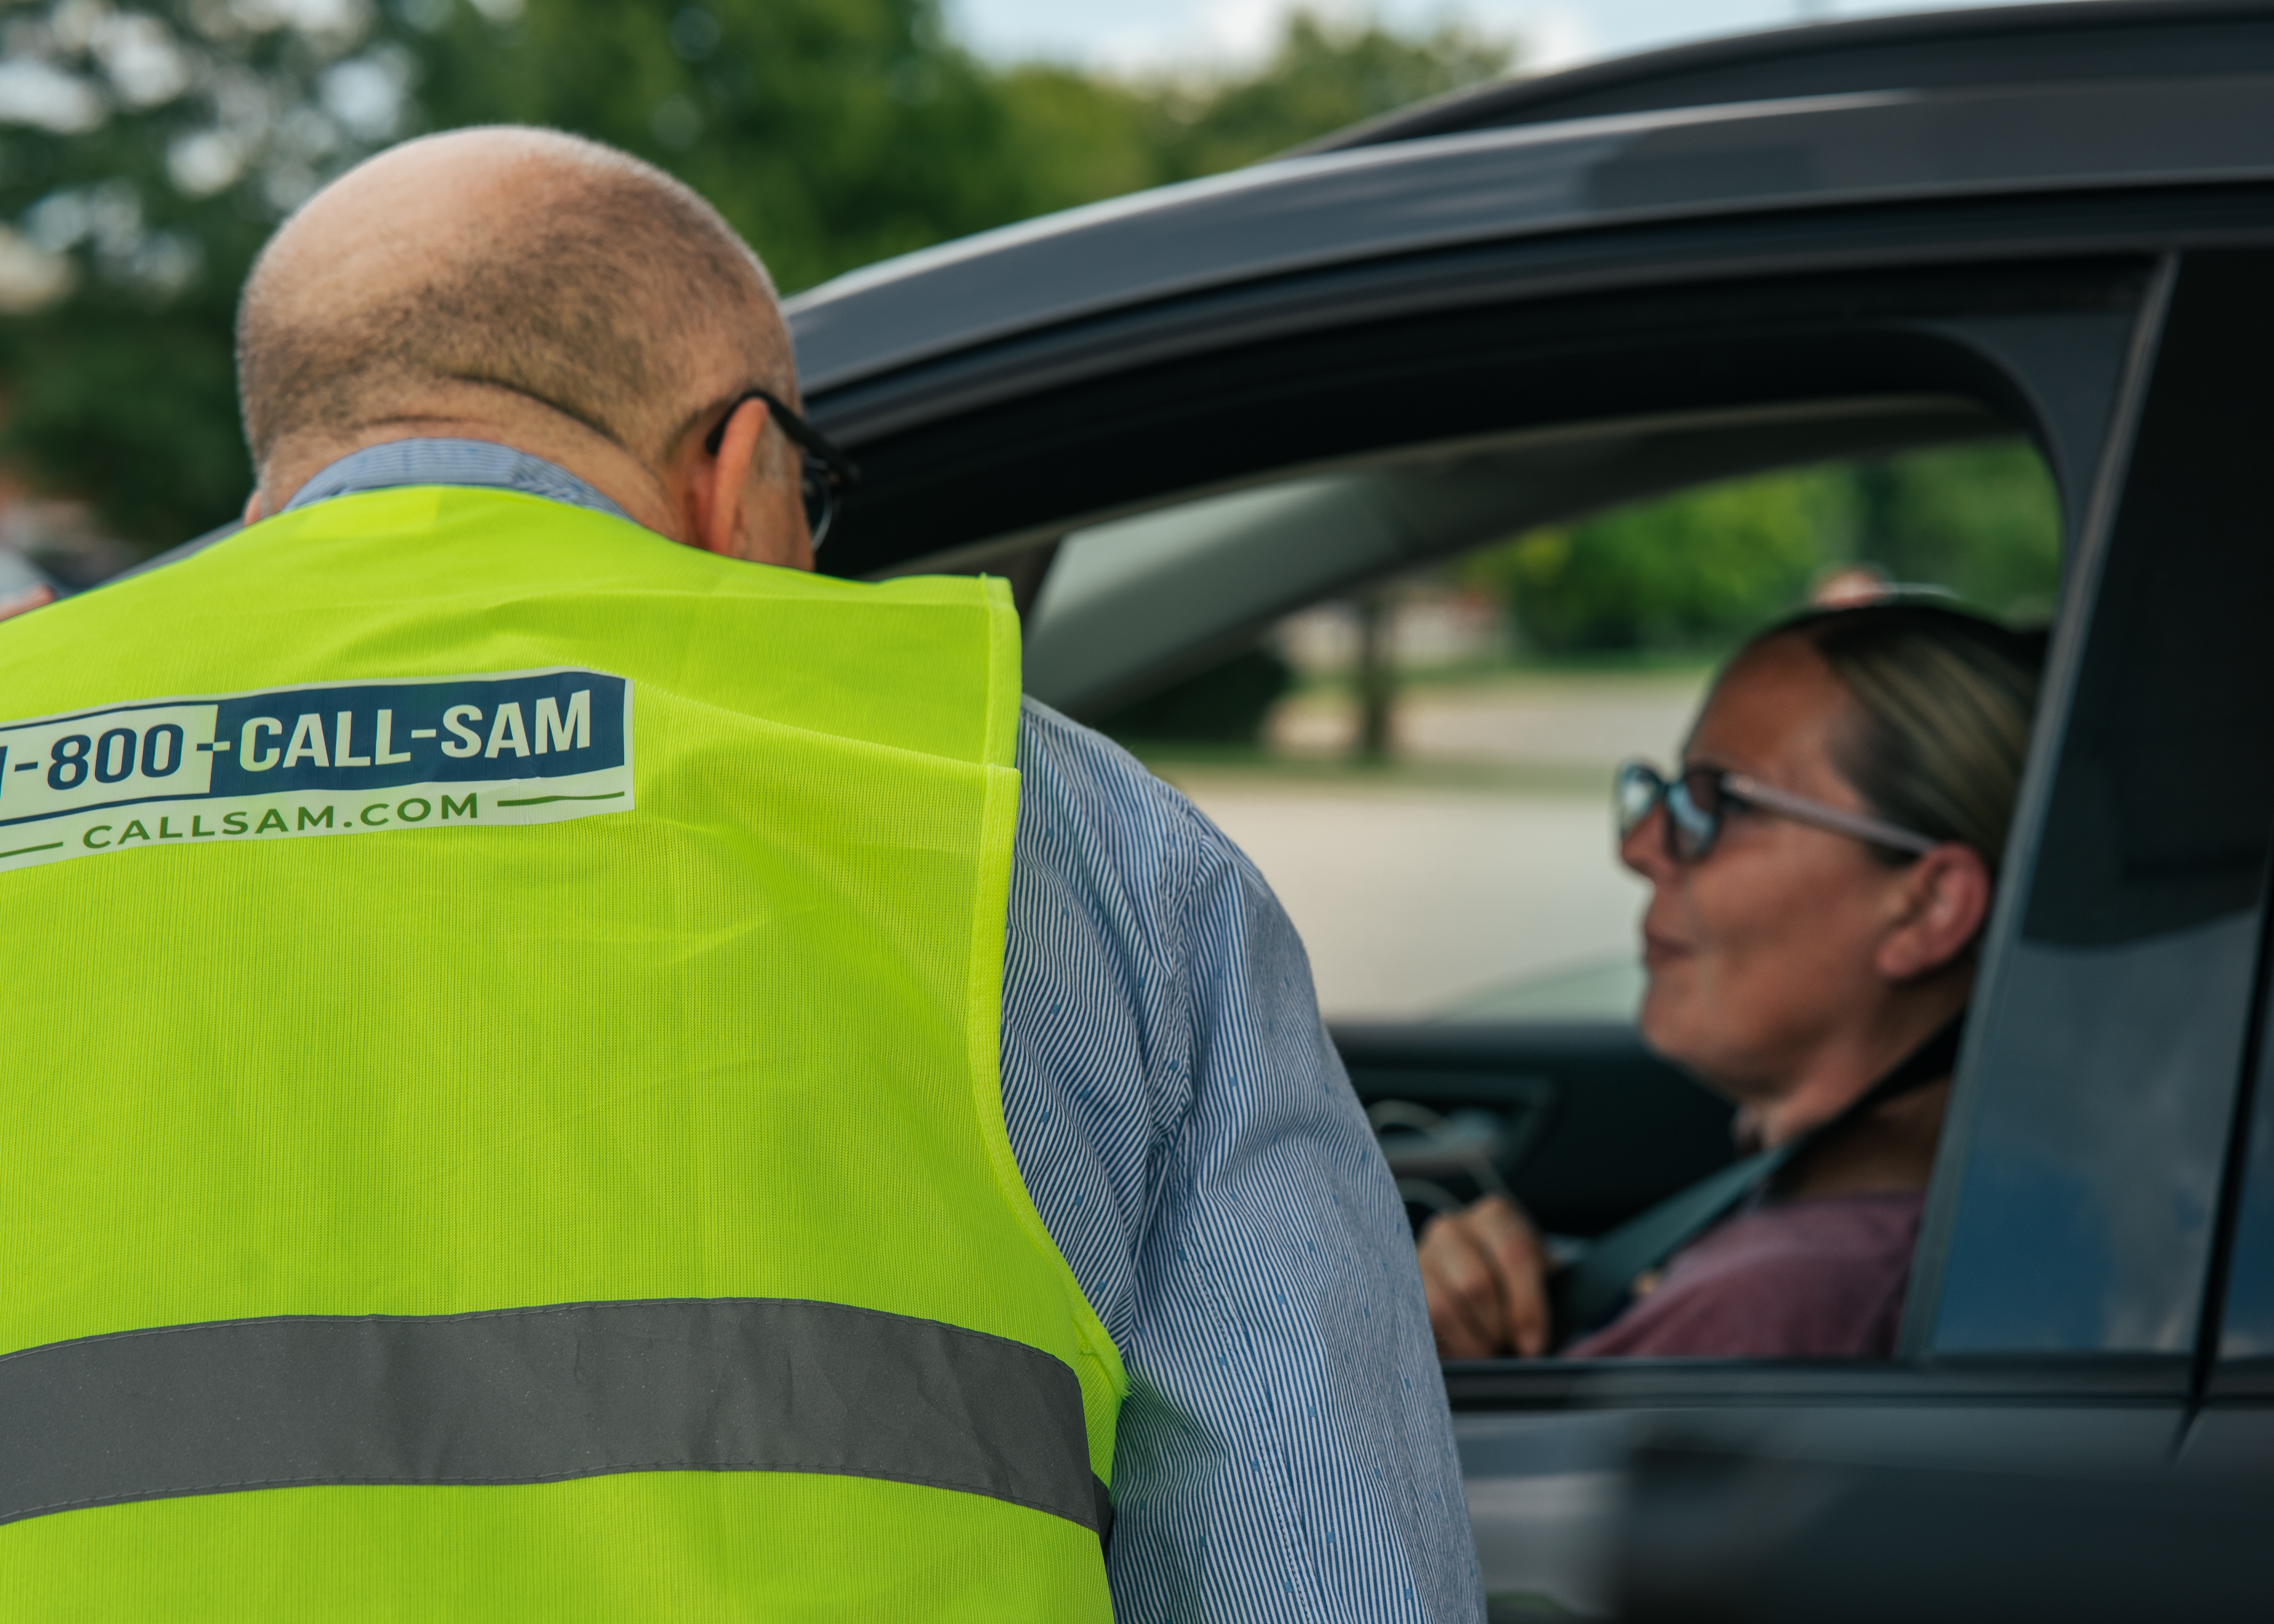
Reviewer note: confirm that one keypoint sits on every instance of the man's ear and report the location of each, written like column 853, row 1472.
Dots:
column 717, row 486
column 1942, row 903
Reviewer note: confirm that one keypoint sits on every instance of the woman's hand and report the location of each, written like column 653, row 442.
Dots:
column 1486, row 1277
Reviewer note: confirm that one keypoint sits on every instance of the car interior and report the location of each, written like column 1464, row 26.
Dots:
column 1153, row 521
column 1571, row 1117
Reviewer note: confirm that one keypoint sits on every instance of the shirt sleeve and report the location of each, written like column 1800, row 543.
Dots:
column 1285, row 1450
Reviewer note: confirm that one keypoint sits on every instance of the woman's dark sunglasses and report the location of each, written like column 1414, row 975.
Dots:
column 1698, row 801
column 823, row 472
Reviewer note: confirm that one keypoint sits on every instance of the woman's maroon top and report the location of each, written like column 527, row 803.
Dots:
column 1812, row 1279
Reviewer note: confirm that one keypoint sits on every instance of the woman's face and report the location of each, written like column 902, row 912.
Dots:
column 1763, row 954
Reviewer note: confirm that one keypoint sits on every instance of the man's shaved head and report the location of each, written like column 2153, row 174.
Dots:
column 508, row 274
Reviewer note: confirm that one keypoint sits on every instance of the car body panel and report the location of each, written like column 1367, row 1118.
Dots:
column 1546, row 1490
column 1667, row 283
column 1378, row 202
column 2083, row 1179
column 1955, row 48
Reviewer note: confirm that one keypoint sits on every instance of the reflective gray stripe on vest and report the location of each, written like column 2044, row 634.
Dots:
column 538, row 1395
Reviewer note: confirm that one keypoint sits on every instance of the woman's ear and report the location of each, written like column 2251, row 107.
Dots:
column 1942, row 901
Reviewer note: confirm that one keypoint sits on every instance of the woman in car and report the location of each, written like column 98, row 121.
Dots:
column 1821, row 871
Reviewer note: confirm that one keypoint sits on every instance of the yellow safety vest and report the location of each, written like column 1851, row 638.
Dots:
column 501, row 1104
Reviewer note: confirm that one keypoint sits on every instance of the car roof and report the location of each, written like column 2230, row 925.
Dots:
column 1511, row 164
column 2083, row 42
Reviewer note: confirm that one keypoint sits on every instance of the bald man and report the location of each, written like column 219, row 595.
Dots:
column 563, row 1066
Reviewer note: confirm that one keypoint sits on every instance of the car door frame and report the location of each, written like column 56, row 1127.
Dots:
column 2119, row 1409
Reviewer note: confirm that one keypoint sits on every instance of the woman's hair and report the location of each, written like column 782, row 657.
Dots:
column 1943, row 702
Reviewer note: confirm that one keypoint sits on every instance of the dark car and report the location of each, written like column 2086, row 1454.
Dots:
column 1172, row 419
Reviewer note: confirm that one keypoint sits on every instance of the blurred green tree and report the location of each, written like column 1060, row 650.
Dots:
column 1676, row 572
column 1700, row 568
column 1982, row 521
column 830, row 132
column 143, row 156
column 146, row 151
column 1320, row 78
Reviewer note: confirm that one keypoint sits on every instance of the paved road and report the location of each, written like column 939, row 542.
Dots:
column 1415, row 895
column 1534, row 721
column 1412, row 899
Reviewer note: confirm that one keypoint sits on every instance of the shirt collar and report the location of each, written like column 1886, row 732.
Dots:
column 479, row 463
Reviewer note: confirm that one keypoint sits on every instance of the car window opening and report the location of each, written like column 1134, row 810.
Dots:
column 1420, row 760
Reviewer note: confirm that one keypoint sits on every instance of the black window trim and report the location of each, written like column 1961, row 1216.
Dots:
column 2093, row 532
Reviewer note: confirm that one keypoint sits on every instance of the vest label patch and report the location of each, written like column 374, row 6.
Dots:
column 360, row 757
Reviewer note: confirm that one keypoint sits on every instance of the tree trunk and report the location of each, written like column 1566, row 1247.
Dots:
column 1377, row 678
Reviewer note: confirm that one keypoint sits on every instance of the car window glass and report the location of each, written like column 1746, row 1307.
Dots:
column 2081, row 1218
column 2246, row 1343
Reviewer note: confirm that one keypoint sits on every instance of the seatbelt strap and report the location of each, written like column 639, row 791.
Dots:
column 1595, row 1288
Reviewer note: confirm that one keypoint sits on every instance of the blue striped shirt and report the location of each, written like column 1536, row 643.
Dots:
column 1196, row 1152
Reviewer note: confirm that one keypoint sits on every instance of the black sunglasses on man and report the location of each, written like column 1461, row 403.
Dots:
column 823, row 472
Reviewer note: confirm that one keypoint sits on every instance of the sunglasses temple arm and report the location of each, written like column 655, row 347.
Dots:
column 1802, row 809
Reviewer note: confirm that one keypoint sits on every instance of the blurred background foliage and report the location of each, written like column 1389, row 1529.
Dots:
column 1676, row 580
column 146, row 152
column 1695, row 571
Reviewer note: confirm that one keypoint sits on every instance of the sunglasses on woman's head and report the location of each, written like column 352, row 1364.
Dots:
column 1698, row 801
